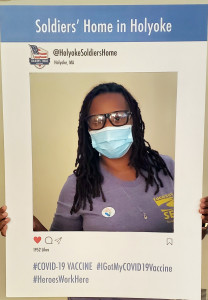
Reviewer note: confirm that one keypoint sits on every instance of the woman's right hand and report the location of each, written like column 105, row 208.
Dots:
column 37, row 225
column 3, row 220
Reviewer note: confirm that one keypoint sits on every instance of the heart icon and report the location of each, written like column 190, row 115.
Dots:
column 37, row 239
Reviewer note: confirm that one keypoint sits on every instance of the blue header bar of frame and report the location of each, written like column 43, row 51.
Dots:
column 116, row 23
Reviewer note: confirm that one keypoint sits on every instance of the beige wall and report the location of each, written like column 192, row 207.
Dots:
column 65, row 165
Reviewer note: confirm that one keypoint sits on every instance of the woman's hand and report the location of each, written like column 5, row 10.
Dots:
column 204, row 214
column 204, row 209
column 37, row 226
column 3, row 220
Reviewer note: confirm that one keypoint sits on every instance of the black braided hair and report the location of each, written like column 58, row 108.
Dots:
column 146, row 161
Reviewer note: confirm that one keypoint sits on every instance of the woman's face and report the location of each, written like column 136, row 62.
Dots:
column 107, row 103
column 115, row 142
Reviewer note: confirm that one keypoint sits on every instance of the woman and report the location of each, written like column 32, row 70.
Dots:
column 116, row 169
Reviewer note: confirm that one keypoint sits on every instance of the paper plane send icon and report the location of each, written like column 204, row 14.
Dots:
column 58, row 240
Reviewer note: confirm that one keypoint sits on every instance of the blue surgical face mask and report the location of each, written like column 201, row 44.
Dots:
column 112, row 142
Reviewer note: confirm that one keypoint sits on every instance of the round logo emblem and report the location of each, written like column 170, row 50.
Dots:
column 108, row 212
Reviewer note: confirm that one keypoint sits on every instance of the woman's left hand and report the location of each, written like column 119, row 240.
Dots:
column 204, row 213
column 204, row 209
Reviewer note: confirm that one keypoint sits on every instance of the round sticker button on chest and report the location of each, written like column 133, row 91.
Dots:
column 108, row 212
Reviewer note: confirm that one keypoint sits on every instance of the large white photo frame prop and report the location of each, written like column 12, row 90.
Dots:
column 180, row 47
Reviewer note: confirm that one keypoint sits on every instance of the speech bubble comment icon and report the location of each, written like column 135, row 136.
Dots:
column 48, row 240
